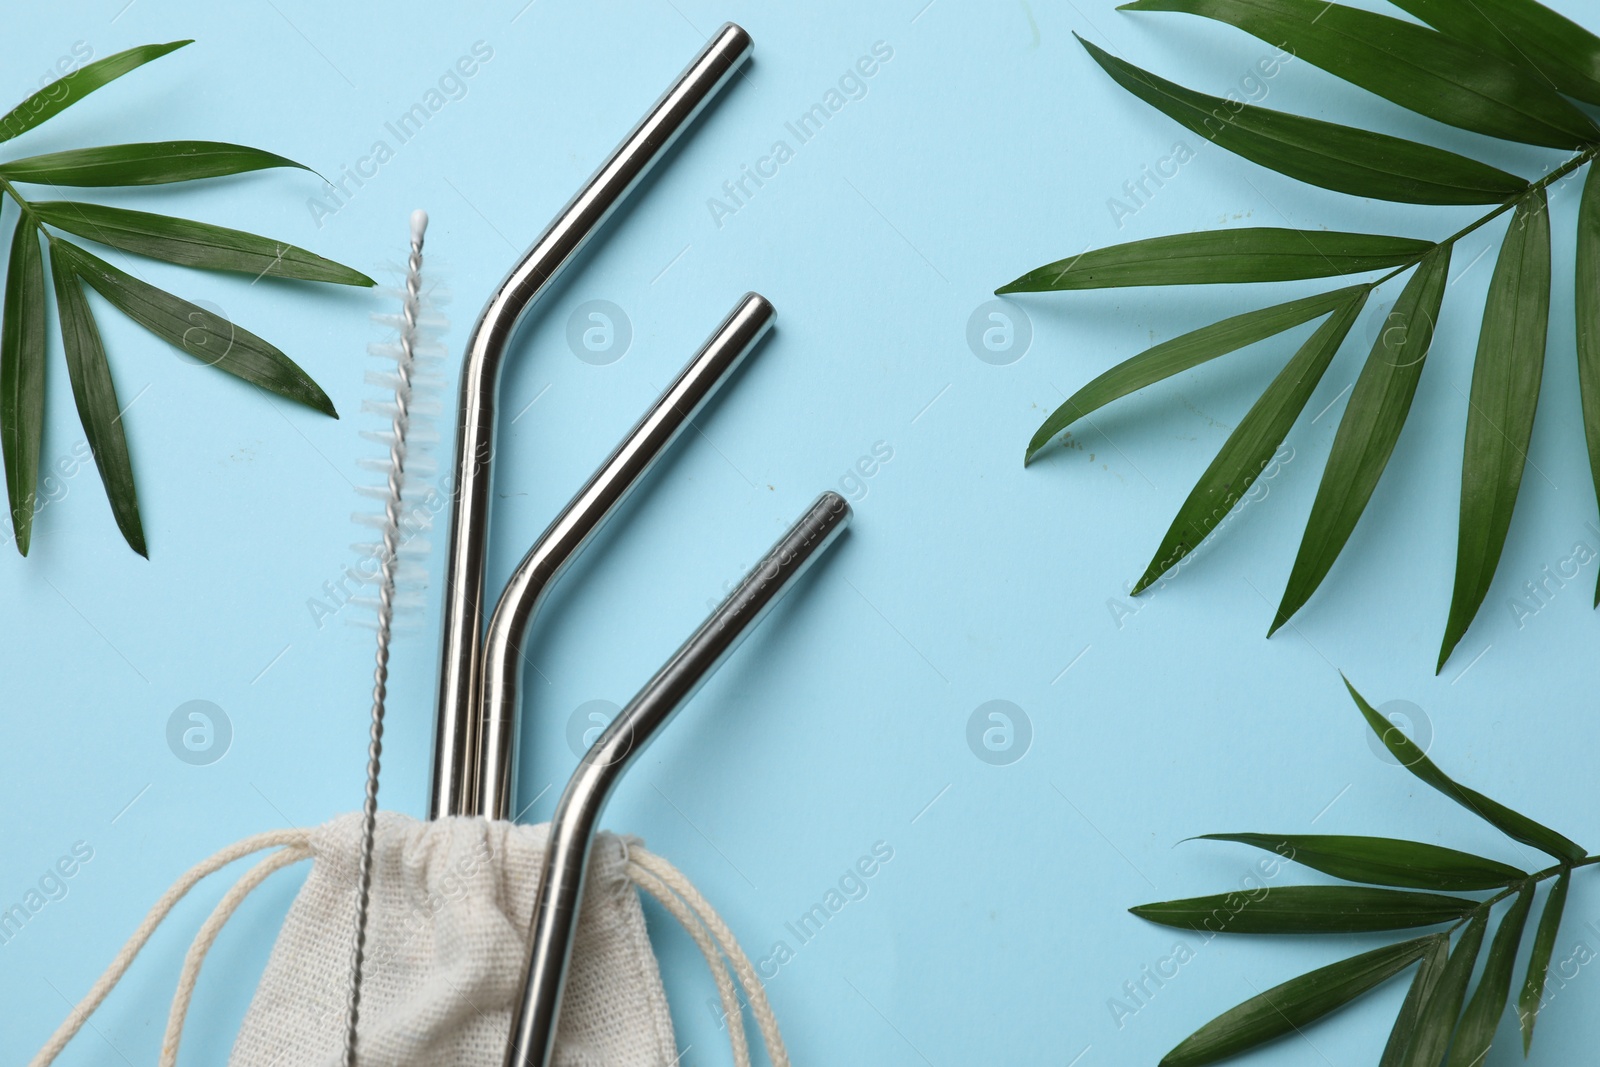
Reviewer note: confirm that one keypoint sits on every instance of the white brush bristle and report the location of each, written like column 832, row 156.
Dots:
column 421, row 501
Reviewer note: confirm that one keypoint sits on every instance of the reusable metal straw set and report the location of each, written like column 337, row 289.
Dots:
column 479, row 699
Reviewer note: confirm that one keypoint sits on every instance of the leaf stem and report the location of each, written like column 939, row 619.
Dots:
column 1520, row 884
column 27, row 211
column 1571, row 165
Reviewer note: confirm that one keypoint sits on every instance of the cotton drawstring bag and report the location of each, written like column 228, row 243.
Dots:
column 448, row 922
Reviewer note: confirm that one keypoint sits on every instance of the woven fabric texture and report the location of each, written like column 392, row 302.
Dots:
column 451, row 901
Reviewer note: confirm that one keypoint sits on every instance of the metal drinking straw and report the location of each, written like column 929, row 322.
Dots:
column 475, row 746
column 492, row 790
column 555, row 916
column 455, row 745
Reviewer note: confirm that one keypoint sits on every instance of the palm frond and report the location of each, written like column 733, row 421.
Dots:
column 1398, row 885
column 1507, row 69
column 207, row 336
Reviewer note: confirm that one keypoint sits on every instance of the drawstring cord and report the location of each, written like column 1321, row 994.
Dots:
column 207, row 937
column 731, row 1012
column 649, row 872
column 293, row 842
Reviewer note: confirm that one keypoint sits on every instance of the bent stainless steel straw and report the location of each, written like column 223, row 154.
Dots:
column 493, row 787
column 555, row 916
column 455, row 745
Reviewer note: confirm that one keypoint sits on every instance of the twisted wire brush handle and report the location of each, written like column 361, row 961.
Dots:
column 387, row 561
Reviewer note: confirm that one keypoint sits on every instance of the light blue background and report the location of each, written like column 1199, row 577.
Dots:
column 988, row 144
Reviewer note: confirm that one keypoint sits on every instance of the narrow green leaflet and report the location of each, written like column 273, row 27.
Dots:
column 1514, row 825
column 1531, row 999
column 1384, row 860
column 1181, row 353
column 1307, row 909
column 96, row 396
column 1248, row 450
column 61, row 94
column 1434, row 959
column 22, row 353
column 204, row 335
column 1588, row 305
column 1286, row 1008
column 156, row 163
column 1522, row 31
column 1431, row 1037
column 1416, row 67
column 1475, row 1033
column 1367, row 434
column 1324, row 154
column 1224, row 257
column 194, row 244
column 1505, row 395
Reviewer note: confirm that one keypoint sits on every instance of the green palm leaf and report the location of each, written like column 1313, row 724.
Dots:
column 1495, row 67
column 142, row 164
column 1524, row 32
column 1308, row 909
column 1531, row 999
column 1430, row 1029
column 1511, row 823
column 1383, row 860
column 1367, row 434
column 1286, row 1008
column 1181, row 353
column 1226, row 257
column 1416, row 67
column 1475, row 1033
column 208, row 337
column 1437, row 1020
column 1325, row 154
column 69, row 89
column 96, row 396
column 1247, row 451
column 1587, row 292
column 22, row 352
column 1505, row 394
column 194, row 244
column 1426, row 980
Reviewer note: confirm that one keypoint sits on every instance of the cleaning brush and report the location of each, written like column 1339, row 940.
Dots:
column 391, row 562
column 410, row 381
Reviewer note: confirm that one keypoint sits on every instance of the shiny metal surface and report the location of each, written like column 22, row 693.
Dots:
column 492, row 788
column 555, row 916
column 480, row 379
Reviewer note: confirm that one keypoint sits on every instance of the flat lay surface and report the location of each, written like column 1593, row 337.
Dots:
column 962, row 697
